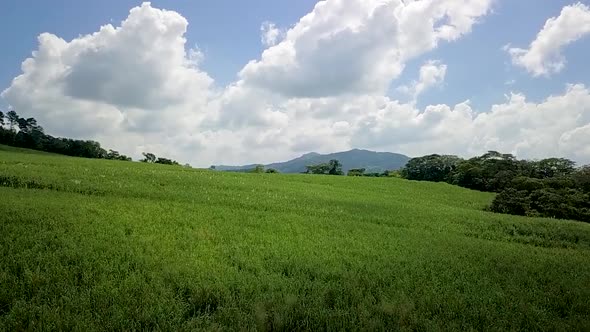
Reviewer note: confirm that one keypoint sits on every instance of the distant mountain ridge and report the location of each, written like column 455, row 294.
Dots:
column 370, row 160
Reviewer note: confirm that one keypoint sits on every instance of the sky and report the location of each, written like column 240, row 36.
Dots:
column 235, row 82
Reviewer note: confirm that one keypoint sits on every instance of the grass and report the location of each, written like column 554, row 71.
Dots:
column 104, row 245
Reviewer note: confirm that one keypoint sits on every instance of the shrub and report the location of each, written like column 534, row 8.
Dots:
column 512, row 201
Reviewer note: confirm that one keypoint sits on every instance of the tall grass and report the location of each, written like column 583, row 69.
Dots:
column 104, row 245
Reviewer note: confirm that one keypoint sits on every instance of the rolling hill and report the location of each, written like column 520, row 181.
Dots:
column 370, row 160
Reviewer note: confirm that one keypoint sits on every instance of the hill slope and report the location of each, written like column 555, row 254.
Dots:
column 106, row 245
column 370, row 160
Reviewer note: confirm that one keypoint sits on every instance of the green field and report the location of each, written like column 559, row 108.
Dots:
column 106, row 245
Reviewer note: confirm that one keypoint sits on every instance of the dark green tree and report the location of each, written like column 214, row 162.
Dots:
column 148, row 157
column 112, row 154
column 512, row 201
column 335, row 167
column 433, row 167
column 317, row 169
column 527, row 184
column 553, row 167
column 31, row 136
column 356, row 172
column 492, row 171
column 166, row 161
column 115, row 155
column 257, row 169
column 29, row 126
column 12, row 118
column 582, row 178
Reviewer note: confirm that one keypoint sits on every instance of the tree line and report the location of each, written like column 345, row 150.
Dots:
column 334, row 167
column 27, row 133
column 151, row 158
column 552, row 187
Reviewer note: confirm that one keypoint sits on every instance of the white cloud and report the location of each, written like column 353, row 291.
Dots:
column 270, row 34
column 358, row 46
column 137, row 88
column 117, row 82
column 556, row 126
column 432, row 73
column 544, row 57
column 529, row 130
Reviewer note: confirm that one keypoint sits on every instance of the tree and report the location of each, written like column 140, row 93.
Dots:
column 582, row 178
column 553, row 167
column 512, row 201
column 166, row 161
column 29, row 126
column 115, row 155
column 112, row 154
column 12, row 118
column 335, row 167
column 545, row 202
column 492, row 171
column 151, row 158
column 356, row 172
column 433, row 167
column 527, row 184
column 1, row 119
column 257, row 169
column 31, row 136
column 22, row 124
column 393, row 174
column 86, row 149
column 317, row 169
column 148, row 157
column 272, row 171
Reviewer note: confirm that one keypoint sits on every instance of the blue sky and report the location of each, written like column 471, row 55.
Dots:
column 481, row 68
column 228, row 33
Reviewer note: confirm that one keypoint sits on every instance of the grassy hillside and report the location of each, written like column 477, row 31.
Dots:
column 94, row 244
column 6, row 148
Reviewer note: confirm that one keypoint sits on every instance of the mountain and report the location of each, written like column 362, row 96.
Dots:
column 370, row 160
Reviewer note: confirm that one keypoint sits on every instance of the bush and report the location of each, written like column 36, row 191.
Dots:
column 512, row 201
column 356, row 172
column 546, row 202
column 526, row 183
column 257, row 169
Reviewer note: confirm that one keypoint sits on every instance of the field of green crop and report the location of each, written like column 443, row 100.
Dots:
column 106, row 245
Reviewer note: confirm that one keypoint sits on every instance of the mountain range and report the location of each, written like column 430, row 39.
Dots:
column 372, row 161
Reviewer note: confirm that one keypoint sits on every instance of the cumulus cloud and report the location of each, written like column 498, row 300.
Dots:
column 432, row 73
column 135, row 78
column 269, row 34
column 136, row 87
column 544, row 56
column 358, row 46
column 556, row 126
